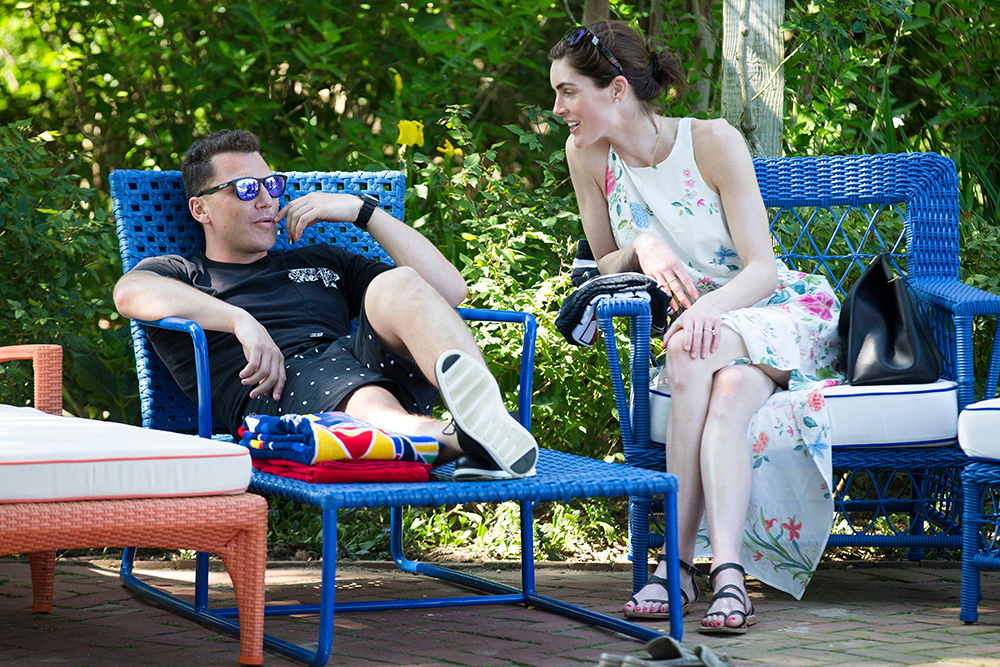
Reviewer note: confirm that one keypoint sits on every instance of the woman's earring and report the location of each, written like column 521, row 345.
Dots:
column 617, row 100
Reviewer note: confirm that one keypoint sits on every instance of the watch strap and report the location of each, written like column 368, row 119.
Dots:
column 368, row 206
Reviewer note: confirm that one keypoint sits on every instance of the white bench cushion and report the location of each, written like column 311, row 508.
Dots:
column 898, row 415
column 47, row 458
column 979, row 429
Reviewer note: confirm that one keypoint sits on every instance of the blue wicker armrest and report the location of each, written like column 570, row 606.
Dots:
column 200, row 364
column 634, row 420
column 527, row 370
column 958, row 302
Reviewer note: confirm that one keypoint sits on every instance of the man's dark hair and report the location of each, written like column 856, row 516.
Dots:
column 197, row 169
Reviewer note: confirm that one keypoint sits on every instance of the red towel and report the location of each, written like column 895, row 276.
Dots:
column 345, row 472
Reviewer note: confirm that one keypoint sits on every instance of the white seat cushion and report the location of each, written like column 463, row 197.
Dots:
column 979, row 429
column 897, row 415
column 47, row 458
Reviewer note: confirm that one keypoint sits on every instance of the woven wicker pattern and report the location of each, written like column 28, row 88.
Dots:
column 980, row 531
column 233, row 527
column 47, row 368
column 560, row 476
column 832, row 215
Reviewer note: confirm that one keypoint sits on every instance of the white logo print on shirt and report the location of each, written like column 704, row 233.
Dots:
column 328, row 276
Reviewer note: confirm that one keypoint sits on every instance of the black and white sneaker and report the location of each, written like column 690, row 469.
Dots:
column 469, row 468
column 484, row 427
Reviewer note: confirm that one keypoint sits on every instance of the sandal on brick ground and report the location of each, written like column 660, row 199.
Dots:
column 727, row 591
column 662, row 583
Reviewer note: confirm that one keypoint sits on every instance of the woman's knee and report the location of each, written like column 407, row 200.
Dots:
column 681, row 369
column 739, row 389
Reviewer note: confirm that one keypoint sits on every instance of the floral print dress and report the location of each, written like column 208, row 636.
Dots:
column 795, row 329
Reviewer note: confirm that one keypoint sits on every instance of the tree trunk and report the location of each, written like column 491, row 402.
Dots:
column 707, row 42
column 594, row 10
column 753, row 80
column 655, row 28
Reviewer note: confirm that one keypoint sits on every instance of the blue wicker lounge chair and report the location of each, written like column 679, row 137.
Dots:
column 152, row 218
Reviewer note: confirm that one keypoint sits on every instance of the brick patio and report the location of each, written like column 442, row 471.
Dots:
column 863, row 614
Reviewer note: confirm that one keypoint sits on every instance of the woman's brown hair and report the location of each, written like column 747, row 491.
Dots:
column 649, row 70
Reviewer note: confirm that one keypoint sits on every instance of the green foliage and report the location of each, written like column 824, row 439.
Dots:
column 512, row 237
column 899, row 76
column 323, row 83
column 326, row 85
column 56, row 262
column 582, row 529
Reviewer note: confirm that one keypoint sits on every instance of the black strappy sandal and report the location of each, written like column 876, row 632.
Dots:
column 727, row 592
column 662, row 582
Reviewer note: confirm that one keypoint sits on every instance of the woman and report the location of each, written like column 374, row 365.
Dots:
column 677, row 199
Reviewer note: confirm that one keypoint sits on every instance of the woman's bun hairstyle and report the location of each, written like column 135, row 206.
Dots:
column 650, row 71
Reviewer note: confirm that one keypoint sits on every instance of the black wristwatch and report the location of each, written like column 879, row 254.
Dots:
column 368, row 206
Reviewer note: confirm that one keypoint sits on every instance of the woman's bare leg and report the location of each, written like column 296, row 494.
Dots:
column 737, row 393
column 691, row 382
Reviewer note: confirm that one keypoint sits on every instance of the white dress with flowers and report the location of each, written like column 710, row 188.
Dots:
column 794, row 329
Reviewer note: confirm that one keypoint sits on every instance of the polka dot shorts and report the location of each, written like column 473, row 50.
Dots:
column 320, row 378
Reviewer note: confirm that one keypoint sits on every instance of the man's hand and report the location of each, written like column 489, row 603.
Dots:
column 318, row 207
column 265, row 363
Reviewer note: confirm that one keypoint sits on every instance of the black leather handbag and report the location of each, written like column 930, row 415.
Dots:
column 886, row 339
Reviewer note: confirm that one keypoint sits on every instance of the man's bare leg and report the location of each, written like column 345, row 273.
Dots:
column 413, row 320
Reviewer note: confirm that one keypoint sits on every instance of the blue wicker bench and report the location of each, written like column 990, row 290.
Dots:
column 832, row 215
column 152, row 219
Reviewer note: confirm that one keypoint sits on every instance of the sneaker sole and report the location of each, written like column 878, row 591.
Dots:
column 479, row 475
column 473, row 398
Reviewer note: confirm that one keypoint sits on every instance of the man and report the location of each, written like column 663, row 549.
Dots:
column 277, row 324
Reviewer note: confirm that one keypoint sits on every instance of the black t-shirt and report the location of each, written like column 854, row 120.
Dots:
column 303, row 297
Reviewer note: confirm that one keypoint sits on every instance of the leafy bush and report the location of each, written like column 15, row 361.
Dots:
column 57, row 257
column 329, row 85
column 324, row 83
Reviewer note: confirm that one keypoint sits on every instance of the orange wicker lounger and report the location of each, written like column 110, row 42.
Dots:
column 232, row 526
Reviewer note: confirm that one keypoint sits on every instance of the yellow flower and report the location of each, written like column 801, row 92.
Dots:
column 398, row 80
column 411, row 133
column 449, row 150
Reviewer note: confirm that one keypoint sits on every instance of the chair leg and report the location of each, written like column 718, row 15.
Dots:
column 43, row 576
column 638, row 540
column 972, row 544
column 245, row 561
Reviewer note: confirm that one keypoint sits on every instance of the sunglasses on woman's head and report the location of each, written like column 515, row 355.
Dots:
column 576, row 36
column 248, row 188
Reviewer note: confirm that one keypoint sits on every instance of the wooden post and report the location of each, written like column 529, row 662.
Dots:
column 702, row 9
column 655, row 28
column 594, row 10
column 753, row 79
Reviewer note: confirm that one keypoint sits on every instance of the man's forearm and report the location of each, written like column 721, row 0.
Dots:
column 408, row 247
column 144, row 295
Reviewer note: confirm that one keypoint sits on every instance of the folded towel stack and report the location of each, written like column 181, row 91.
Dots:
column 331, row 436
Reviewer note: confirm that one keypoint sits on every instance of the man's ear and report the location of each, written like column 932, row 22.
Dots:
column 197, row 207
